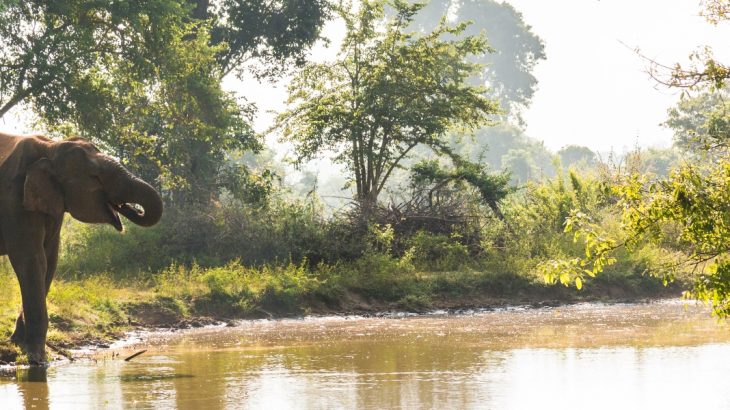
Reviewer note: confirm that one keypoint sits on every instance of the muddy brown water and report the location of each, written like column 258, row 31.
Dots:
column 666, row 355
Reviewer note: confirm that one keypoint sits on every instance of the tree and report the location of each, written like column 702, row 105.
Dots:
column 270, row 33
column 508, row 70
column 701, row 123
column 492, row 189
column 704, row 70
column 175, row 125
column 46, row 46
column 693, row 202
column 143, row 78
column 389, row 91
column 573, row 154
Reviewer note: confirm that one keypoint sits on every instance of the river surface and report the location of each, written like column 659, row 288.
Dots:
column 662, row 355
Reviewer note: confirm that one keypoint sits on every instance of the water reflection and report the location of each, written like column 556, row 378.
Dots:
column 33, row 387
column 589, row 356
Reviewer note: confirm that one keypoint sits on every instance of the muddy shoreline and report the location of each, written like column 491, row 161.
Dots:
column 145, row 318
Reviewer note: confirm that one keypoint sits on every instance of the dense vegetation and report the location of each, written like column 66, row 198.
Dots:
column 684, row 214
column 447, row 202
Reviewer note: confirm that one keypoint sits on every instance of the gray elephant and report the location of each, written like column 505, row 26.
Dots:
column 40, row 180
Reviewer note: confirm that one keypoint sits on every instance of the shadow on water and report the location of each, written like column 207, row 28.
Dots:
column 33, row 386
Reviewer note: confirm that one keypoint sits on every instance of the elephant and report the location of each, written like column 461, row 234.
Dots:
column 40, row 180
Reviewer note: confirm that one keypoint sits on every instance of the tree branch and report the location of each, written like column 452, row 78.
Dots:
column 394, row 165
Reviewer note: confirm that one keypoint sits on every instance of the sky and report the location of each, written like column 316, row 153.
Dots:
column 593, row 89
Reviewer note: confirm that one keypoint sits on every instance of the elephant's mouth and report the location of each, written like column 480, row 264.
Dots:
column 124, row 209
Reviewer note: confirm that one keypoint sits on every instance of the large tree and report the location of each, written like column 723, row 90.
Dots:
column 45, row 46
column 143, row 78
column 389, row 91
column 508, row 70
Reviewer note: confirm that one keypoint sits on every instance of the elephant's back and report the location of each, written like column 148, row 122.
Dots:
column 19, row 144
column 8, row 144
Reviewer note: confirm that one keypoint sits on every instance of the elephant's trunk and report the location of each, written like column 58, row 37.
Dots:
column 126, row 189
column 147, row 197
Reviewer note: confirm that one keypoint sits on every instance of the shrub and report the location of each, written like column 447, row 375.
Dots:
column 234, row 289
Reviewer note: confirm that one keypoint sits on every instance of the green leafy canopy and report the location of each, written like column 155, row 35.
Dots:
column 389, row 91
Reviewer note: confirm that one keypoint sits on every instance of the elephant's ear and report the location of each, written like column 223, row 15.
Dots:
column 41, row 192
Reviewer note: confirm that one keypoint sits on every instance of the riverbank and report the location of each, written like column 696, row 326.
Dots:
column 97, row 310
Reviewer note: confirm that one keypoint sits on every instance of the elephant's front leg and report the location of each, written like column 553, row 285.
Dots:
column 24, row 235
column 51, row 253
column 31, row 272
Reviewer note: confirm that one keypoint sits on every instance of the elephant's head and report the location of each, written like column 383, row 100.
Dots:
column 91, row 186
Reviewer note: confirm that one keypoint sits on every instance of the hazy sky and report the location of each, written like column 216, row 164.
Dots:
column 593, row 90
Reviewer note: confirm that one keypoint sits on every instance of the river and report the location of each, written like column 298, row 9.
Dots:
column 667, row 355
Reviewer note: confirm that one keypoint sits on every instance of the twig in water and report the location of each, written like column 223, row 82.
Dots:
column 134, row 355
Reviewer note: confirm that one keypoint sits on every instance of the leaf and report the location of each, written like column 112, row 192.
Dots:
column 578, row 283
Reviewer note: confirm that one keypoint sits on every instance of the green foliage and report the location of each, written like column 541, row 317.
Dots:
column 536, row 216
column 574, row 155
column 438, row 252
column 389, row 91
column 713, row 287
column 174, row 125
column 272, row 33
column 690, row 205
column 283, row 230
column 48, row 47
column 9, row 298
column 384, row 277
column 380, row 239
column 598, row 248
column 143, row 80
column 234, row 290
column 93, row 300
column 492, row 189
column 701, row 123
column 508, row 71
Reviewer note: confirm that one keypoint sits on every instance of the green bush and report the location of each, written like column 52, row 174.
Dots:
column 231, row 260
column 439, row 252
column 283, row 231
column 234, row 289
